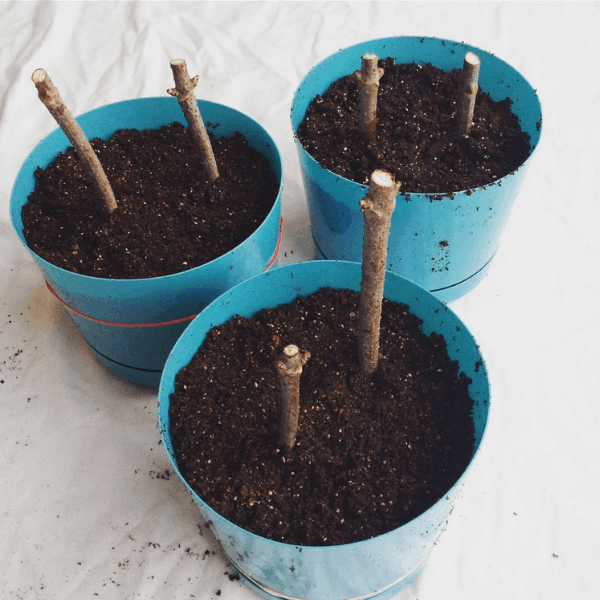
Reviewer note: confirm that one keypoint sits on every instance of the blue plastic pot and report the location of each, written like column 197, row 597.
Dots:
column 379, row 567
column 132, row 324
column 444, row 245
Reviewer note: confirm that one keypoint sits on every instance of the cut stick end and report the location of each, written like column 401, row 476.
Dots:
column 39, row 76
column 178, row 62
column 472, row 59
column 471, row 68
column 384, row 180
column 291, row 360
column 291, row 351
column 369, row 68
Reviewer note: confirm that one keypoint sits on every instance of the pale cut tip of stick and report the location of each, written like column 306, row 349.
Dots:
column 292, row 360
column 383, row 179
column 382, row 185
column 44, row 85
column 472, row 59
column 369, row 71
column 291, row 351
column 385, row 182
column 39, row 76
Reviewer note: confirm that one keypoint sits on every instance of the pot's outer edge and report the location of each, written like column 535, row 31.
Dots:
column 445, row 244
column 132, row 324
column 350, row 570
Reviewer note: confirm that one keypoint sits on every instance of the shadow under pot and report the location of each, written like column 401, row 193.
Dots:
column 131, row 323
column 442, row 238
column 310, row 553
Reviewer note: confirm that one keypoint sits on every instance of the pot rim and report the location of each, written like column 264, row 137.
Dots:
column 364, row 47
column 133, row 281
column 164, row 395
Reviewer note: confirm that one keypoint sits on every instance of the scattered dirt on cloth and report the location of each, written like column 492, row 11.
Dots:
column 417, row 138
column 169, row 219
column 166, row 474
column 371, row 453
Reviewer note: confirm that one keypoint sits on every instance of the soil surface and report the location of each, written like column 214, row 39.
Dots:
column 169, row 217
column 417, row 137
column 371, row 453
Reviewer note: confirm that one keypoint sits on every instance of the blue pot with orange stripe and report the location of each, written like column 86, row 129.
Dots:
column 132, row 324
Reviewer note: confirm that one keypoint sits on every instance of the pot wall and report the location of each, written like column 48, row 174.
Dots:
column 132, row 324
column 444, row 245
column 384, row 565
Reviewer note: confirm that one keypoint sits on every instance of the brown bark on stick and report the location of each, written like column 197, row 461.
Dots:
column 368, row 86
column 468, row 93
column 289, row 367
column 50, row 96
column 377, row 208
column 184, row 92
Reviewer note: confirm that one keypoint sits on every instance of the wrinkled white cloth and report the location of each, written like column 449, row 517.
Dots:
column 84, row 510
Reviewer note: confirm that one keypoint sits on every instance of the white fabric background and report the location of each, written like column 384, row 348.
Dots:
column 83, row 513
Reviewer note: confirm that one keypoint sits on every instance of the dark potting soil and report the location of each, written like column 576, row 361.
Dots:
column 169, row 217
column 371, row 453
column 417, row 138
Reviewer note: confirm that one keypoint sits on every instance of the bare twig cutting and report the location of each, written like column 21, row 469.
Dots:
column 289, row 367
column 377, row 208
column 50, row 96
column 184, row 92
column 368, row 81
column 468, row 93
